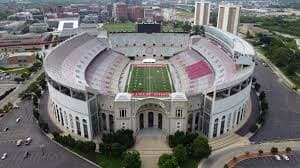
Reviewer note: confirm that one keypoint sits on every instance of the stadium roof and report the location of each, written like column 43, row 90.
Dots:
column 235, row 42
column 66, row 64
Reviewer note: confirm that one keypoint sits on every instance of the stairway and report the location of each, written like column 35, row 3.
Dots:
column 151, row 144
column 232, row 139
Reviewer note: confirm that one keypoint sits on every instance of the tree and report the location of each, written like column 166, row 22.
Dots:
column 280, row 56
column 180, row 153
column 131, row 159
column 117, row 149
column 253, row 128
column 291, row 69
column 274, row 150
column 200, row 148
column 167, row 161
column 262, row 95
column 288, row 149
column 257, row 86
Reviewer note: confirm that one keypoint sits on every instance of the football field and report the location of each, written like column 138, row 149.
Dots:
column 149, row 78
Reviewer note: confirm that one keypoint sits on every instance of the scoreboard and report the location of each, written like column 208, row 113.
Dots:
column 148, row 28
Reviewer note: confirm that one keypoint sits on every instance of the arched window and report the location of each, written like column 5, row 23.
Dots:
column 104, row 122
column 85, row 128
column 66, row 119
column 222, row 125
column 111, row 123
column 71, row 122
column 228, row 121
column 215, row 131
column 78, row 125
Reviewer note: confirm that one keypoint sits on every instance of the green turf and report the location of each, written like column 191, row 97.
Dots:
column 149, row 79
column 120, row 27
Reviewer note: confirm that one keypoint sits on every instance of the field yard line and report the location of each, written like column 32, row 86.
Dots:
column 129, row 78
column 170, row 79
column 150, row 89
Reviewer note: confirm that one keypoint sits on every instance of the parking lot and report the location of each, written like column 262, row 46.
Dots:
column 42, row 152
column 271, row 162
column 283, row 117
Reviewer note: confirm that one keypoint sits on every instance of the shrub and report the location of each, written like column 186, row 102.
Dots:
column 262, row 95
column 253, row 128
column 260, row 152
column 226, row 166
column 181, row 138
column 131, row 159
column 200, row 148
column 288, row 149
column 264, row 105
column 180, row 153
column 44, row 126
column 257, row 86
column 124, row 137
column 234, row 158
column 274, row 150
column 167, row 161
column 117, row 149
column 36, row 113
column 105, row 149
column 247, row 153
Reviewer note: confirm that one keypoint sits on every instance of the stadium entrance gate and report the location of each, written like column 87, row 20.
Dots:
column 151, row 116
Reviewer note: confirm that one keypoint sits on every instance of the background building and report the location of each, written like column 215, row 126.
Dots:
column 22, row 59
column 202, row 13
column 229, row 18
column 120, row 11
column 38, row 28
column 136, row 13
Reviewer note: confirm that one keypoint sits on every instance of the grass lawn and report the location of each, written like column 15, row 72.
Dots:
column 149, row 78
column 190, row 163
column 14, row 70
column 169, row 28
column 100, row 159
column 184, row 13
column 119, row 27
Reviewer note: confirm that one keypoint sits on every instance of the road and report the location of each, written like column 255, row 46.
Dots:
column 271, row 162
column 283, row 117
column 12, row 97
column 43, row 152
column 220, row 157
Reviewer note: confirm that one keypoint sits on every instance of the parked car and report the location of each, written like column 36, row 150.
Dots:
column 18, row 120
column 285, row 157
column 26, row 154
column 19, row 142
column 4, row 156
column 28, row 141
column 277, row 157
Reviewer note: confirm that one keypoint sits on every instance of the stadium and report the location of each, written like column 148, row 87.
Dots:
column 167, row 81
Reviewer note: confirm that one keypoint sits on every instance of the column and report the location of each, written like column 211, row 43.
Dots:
column 146, row 120
column 155, row 120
